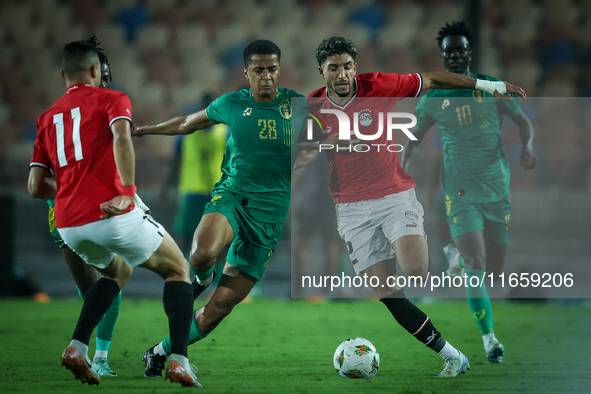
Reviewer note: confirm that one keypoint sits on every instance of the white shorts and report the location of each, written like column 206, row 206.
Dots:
column 133, row 236
column 370, row 227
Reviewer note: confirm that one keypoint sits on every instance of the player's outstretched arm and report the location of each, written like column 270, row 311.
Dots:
column 40, row 184
column 527, row 160
column 125, row 161
column 304, row 157
column 179, row 125
column 411, row 149
column 447, row 80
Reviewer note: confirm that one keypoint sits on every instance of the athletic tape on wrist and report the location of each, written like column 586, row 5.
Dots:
column 491, row 86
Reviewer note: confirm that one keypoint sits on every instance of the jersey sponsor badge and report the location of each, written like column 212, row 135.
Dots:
column 247, row 112
column 445, row 104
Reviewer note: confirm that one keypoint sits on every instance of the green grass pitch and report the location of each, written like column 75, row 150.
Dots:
column 284, row 346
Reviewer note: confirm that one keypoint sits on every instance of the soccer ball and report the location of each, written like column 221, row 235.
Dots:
column 356, row 358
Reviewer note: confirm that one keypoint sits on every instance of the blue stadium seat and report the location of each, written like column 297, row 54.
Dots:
column 371, row 16
column 558, row 52
column 133, row 19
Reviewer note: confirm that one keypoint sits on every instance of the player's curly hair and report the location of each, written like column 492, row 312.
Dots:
column 455, row 29
column 93, row 41
column 102, row 57
column 334, row 46
column 260, row 47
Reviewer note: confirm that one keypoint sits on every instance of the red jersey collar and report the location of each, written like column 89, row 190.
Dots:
column 76, row 86
column 348, row 102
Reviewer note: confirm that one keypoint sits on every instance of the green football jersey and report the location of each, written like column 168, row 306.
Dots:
column 475, row 167
column 257, row 161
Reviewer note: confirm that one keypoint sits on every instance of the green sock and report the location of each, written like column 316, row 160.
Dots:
column 202, row 275
column 194, row 335
column 479, row 302
column 79, row 293
column 105, row 328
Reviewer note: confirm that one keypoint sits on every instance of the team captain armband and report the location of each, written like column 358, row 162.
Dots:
column 129, row 191
column 490, row 86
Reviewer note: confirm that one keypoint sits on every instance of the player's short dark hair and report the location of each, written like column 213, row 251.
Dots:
column 260, row 47
column 77, row 55
column 455, row 29
column 334, row 46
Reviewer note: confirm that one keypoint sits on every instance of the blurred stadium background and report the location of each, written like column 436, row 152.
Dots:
column 165, row 54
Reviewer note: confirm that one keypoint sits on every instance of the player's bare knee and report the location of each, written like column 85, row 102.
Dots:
column 496, row 272
column 474, row 262
column 175, row 268
column 418, row 270
column 203, row 258
column 385, row 292
column 126, row 272
column 180, row 268
column 118, row 271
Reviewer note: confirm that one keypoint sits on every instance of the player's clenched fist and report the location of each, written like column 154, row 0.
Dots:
column 528, row 160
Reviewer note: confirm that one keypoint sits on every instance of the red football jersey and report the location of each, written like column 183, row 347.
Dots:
column 75, row 142
column 358, row 176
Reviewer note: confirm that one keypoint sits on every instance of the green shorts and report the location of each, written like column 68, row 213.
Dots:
column 57, row 238
column 492, row 217
column 191, row 208
column 254, row 241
